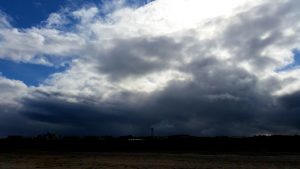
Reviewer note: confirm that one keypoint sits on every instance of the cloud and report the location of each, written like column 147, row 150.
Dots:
column 146, row 55
column 55, row 20
column 84, row 118
column 202, row 72
column 11, row 91
column 260, row 37
column 4, row 20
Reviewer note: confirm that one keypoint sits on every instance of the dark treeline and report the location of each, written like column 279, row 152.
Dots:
column 178, row 143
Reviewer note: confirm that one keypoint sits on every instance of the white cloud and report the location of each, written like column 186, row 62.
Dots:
column 246, row 34
column 55, row 20
column 4, row 20
column 86, row 15
column 37, row 45
column 11, row 91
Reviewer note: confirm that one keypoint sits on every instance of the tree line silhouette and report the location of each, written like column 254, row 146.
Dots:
column 175, row 143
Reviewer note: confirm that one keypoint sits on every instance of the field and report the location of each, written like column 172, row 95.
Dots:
column 145, row 161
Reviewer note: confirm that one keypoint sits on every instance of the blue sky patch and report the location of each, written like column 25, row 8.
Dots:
column 293, row 65
column 30, row 74
column 29, row 13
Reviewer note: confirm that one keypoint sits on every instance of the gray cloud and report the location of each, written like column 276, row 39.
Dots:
column 252, row 32
column 226, row 101
column 84, row 118
column 138, row 56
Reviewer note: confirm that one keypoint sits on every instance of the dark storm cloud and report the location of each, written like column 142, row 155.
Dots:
column 288, row 113
column 84, row 118
column 291, row 101
column 225, row 102
column 220, row 100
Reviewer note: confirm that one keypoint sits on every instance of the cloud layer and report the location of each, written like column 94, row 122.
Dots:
column 167, row 65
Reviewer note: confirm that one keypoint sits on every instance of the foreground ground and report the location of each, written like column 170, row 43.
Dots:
column 42, row 160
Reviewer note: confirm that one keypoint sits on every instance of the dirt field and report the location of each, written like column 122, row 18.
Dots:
column 144, row 161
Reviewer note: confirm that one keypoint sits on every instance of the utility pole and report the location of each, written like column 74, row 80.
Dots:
column 152, row 132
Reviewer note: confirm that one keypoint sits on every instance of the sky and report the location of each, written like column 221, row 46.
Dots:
column 122, row 67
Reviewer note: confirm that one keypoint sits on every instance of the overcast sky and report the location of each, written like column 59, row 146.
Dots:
column 121, row 67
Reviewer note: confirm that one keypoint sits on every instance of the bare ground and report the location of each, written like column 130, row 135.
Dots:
column 44, row 160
